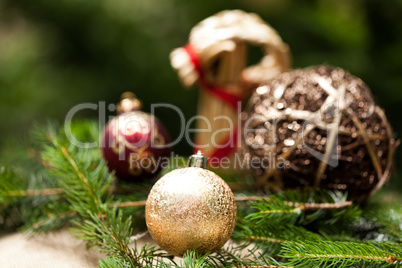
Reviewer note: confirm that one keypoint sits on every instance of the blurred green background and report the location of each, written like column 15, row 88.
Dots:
column 56, row 54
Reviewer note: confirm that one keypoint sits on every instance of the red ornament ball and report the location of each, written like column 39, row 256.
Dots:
column 135, row 145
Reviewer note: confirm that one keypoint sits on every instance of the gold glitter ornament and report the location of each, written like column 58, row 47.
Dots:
column 191, row 209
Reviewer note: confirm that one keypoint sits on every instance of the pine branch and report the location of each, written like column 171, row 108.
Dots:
column 302, row 206
column 140, row 203
column 81, row 174
column 83, row 196
column 86, row 183
column 279, row 234
column 341, row 254
column 112, row 262
column 58, row 220
column 16, row 203
column 110, row 233
column 255, row 258
column 34, row 192
column 263, row 266
column 291, row 207
column 296, row 206
column 230, row 256
column 192, row 260
column 10, row 208
column 273, row 229
column 10, row 181
column 388, row 217
column 270, row 238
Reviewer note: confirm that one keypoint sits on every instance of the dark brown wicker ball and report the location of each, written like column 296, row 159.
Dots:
column 320, row 128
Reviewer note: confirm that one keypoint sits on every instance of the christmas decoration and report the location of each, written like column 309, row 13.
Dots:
column 191, row 209
column 216, row 58
column 288, row 224
column 318, row 127
column 134, row 143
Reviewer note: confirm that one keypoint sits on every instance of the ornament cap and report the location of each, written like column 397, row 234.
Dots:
column 128, row 103
column 197, row 160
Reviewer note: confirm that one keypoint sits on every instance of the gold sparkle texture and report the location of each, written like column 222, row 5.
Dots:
column 190, row 209
column 324, row 125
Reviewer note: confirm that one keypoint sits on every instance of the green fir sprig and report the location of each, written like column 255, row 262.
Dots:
column 388, row 218
column 342, row 254
column 303, row 208
column 282, row 230
column 19, row 195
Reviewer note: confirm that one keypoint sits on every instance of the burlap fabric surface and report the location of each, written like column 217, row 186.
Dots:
column 56, row 250
column 59, row 249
